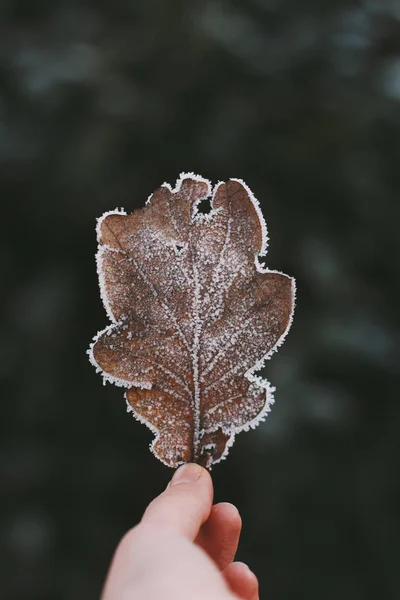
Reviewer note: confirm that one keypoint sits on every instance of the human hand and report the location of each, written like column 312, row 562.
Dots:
column 183, row 548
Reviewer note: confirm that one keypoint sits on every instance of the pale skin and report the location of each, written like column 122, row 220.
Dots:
column 183, row 548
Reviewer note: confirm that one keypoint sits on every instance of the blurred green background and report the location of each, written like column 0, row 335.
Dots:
column 100, row 102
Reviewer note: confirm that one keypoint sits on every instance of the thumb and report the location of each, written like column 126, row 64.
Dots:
column 186, row 503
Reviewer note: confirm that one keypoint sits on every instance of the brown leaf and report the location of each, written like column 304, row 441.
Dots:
column 194, row 315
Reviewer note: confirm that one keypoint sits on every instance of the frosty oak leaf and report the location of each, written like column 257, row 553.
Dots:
column 194, row 314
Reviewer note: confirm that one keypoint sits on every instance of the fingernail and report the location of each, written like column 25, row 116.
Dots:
column 186, row 474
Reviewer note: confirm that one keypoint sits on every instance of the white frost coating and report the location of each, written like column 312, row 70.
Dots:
column 269, row 401
column 116, row 211
column 264, row 231
column 209, row 446
column 195, row 360
column 184, row 176
column 225, row 453
column 262, row 415
column 218, row 406
column 99, row 260
column 107, row 376
column 199, row 318
column 152, row 428
column 166, row 308
column 259, row 364
column 250, row 373
column 208, row 217
column 204, row 217
column 102, row 285
column 259, row 381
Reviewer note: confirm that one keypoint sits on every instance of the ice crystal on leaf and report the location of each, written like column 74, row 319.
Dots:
column 193, row 315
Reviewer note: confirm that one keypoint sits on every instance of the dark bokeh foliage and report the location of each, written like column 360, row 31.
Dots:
column 99, row 104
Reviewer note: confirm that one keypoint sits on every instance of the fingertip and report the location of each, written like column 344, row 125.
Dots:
column 186, row 503
column 226, row 519
column 245, row 572
column 242, row 581
column 230, row 512
column 219, row 536
column 188, row 473
column 192, row 479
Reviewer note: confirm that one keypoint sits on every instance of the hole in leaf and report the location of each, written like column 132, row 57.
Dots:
column 204, row 206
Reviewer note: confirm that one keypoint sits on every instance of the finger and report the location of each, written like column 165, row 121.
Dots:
column 241, row 581
column 185, row 505
column 219, row 536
